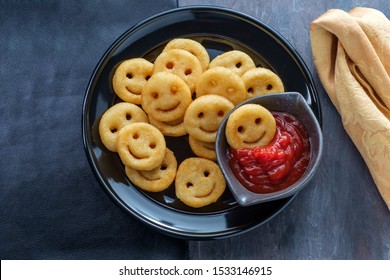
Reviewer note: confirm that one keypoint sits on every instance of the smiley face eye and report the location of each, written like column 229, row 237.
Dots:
column 163, row 167
column 200, row 115
column 213, row 83
column 240, row 129
column 206, row 173
column 155, row 95
column 257, row 120
column 169, row 65
column 231, row 90
column 220, row 113
column 174, row 90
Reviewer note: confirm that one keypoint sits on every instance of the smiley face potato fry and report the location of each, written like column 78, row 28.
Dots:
column 249, row 126
column 166, row 97
column 181, row 63
column 130, row 78
column 199, row 182
column 191, row 46
column 204, row 116
column 221, row 81
column 261, row 81
column 141, row 146
column 117, row 117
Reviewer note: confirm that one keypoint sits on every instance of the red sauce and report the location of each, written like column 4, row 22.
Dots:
column 279, row 164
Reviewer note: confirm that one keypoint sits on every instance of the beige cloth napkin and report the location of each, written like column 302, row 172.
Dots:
column 352, row 55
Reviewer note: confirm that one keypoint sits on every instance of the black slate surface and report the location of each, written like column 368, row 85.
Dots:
column 341, row 214
column 51, row 205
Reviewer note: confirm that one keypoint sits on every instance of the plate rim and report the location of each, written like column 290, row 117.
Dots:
column 86, row 134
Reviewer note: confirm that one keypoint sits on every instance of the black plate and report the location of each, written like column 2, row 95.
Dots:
column 219, row 30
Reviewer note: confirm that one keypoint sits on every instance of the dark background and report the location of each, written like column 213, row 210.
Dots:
column 340, row 215
column 52, row 206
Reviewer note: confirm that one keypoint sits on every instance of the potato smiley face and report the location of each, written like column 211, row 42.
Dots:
column 181, row 63
column 117, row 117
column 204, row 116
column 191, row 46
column 221, row 81
column 130, row 78
column 249, row 126
column 165, row 97
column 141, row 146
column 199, row 182
column 261, row 81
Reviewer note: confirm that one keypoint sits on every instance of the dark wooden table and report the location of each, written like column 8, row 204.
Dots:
column 341, row 214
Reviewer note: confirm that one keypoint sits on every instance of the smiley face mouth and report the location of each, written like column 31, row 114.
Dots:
column 174, row 123
column 257, row 140
column 209, row 147
column 136, row 156
column 207, row 194
column 169, row 109
column 208, row 130
column 148, row 178
column 133, row 92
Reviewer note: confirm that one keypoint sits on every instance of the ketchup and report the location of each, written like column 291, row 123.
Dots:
column 278, row 165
